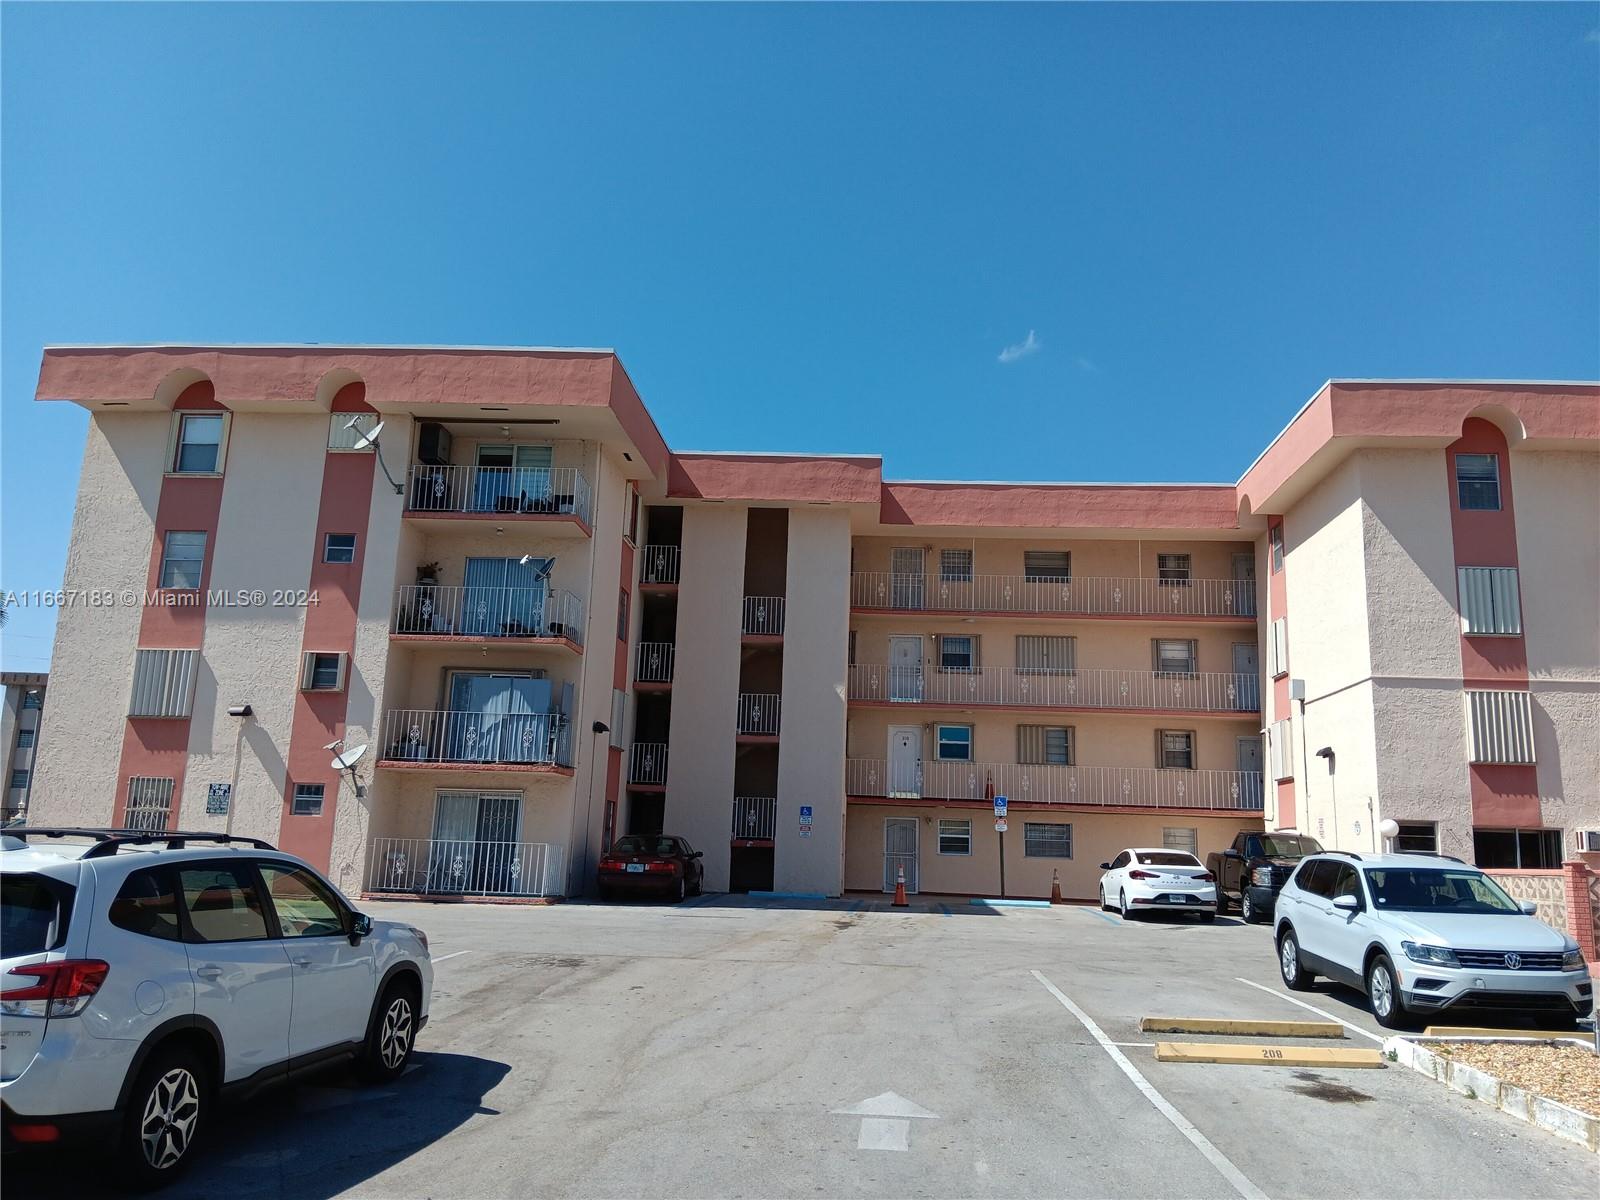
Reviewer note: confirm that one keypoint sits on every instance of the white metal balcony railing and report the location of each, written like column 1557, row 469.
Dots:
column 436, row 736
column 485, row 612
column 659, row 564
column 755, row 816
column 763, row 616
column 1066, row 597
column 510, row 490
column 1213, row 691
column 758, row 713
column 653, row 662
column 648, row 764
column 429, row 866
column 1042, row 784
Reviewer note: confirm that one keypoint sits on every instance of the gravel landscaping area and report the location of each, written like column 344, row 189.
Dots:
column 1565, row 1074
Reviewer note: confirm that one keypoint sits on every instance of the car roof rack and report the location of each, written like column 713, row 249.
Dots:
column 108, row 841
column 1433, row 854
column 1349, row 853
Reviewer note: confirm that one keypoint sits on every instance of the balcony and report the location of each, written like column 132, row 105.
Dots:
column 652, row 665
column 558, row 494
column 755, row 818
column 500, row 740
column 1096, row 688
column 658, row 566
column 430, row 612
column 758, row 714
column 763, row 617
column 1131, row 787
column 1032, row 596
column 437, row 867
column 647, row 766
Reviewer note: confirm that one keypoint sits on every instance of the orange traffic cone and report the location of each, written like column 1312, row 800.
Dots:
column 900, row 888
column 1055, row 888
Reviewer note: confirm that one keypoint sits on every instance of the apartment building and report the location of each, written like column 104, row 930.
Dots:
column 20, row 719
column 548, row 629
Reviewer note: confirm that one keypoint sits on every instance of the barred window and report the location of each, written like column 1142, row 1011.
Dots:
column 1037, row 655
column 1047, row 566
column 955, row 566
column 956, row 654
column 1042, row 840
column 1175, row 656
column 1044, row 745
column 1176, row 749
column 955, row 837
column 149, row 802
column 1181, row 837
column 1173, row 569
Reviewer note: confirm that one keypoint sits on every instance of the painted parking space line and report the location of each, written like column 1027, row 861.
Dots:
column 1371, row 1037
column 1095, row 912
column 1198, row 1140
column 448, row 957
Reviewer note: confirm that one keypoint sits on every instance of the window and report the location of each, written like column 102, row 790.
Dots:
column 33, row 912
column 1345, row 882
column 182, row 557
column 957, row 654
column 1046, row 655
column 955, row 837
column 32, row 700
column 307, row 800
column 1047, row 566
column 1175, row 749
column 1278, row 648
column 147, row 905
column 149, row 803
column 305, row 906
column 19, row 779
column 223, row 902
column 852, row 650
column 1517, row 849
column 622, row 615
column 1451, row 890
column 1181, row 838
column 954, row 743
column 1488, row 600
column 955, row 566
column 199, row 444
column 1280, row 757
column 1175, row 656
column 346, row 429
column 25, row 739
column 1173, row 569
column 1501, row 726
column 1045, row 840
column 1478, row 481
column 1275, row 546
column 633, row 515
column 339, row 548
column 322, row 671
column 1044, row 745
column 1417, row 837
column 619, row 715
column 163, row 682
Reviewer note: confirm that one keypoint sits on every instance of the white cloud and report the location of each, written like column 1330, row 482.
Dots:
column 1028, row 345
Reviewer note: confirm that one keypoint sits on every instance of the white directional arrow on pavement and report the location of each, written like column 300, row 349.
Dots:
column 886, row 1121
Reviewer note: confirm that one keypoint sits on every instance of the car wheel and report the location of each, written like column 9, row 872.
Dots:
column 1247, row 908
column 1383, row 993
column 1222, row 901
column 391, row 1034
column 1295, row 976
column 683, row 890
column 1104, row 907
column 1122, row 906
column 166, row 1117
column 1208, row 918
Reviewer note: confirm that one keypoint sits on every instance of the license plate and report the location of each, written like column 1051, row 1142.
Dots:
column 635, row 868
column 1173, row 899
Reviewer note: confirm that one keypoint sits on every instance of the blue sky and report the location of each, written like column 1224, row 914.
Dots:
column 1084, row 242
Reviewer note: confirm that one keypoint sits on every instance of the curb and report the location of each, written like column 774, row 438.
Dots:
column 1564, row 1122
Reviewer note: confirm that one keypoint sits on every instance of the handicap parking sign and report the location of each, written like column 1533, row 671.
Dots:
column 999, row 806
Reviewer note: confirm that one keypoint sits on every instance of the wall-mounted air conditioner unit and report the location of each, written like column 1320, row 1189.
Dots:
column 1589, row 839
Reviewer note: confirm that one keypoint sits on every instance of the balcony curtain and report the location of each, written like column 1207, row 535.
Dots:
column 504, row 596
column 510, row 478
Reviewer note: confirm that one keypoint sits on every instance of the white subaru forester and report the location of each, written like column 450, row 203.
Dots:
column 146, row 976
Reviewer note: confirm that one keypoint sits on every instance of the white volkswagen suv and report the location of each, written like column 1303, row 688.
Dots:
column 1421, row 933
column 147, row 976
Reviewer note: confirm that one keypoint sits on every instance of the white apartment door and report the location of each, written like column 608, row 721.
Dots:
column 1246, row 677
column 905, row 669
column 905, row 761
column 899, row 852
column 1248, row 760
column 1244, row 578
column 906, row 577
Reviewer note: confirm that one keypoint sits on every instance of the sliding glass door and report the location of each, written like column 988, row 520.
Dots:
column 504, row 597
column 512, row 478
column 499, row 718
column 475, row 842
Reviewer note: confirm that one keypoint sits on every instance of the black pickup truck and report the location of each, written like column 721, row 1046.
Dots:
column 1251, row 871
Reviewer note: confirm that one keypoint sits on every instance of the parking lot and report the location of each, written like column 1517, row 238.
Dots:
column 708, row 1050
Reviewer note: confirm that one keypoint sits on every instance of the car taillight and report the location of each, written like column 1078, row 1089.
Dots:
column 1206, row 877
column 661, row 865
column 64, row 988
column 1141, row 874
column 607, row 863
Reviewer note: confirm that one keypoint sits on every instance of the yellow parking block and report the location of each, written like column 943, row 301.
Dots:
column 1541, row 1035
column 1243, row 1028
column 1269, row 1056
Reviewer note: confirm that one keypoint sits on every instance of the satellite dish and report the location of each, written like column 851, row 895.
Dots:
column 346, row 760
column 367, row 438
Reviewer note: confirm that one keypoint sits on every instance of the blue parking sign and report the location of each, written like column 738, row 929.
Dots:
column 999, row 806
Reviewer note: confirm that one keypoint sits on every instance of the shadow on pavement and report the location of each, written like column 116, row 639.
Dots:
column 310, row 1140
column 1339, row 996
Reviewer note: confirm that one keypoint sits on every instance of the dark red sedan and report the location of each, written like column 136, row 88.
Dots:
column 658, row 864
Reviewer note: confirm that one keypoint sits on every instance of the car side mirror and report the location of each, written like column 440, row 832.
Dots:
column 1105, row 866
column 1528, row 907
column 1346, row 902
column 360, row 927
column 698, row 854
column 1230, row 852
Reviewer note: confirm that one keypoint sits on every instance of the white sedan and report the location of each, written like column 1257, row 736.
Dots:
column 1151, row 880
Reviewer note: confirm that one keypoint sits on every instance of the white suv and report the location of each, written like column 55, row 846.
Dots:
column 1421, row 933
column 147, row 976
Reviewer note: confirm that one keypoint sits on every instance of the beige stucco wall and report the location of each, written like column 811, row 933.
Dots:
column 699, row 804
column 91, row 670
column 1096, row 838
column 811, row 747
